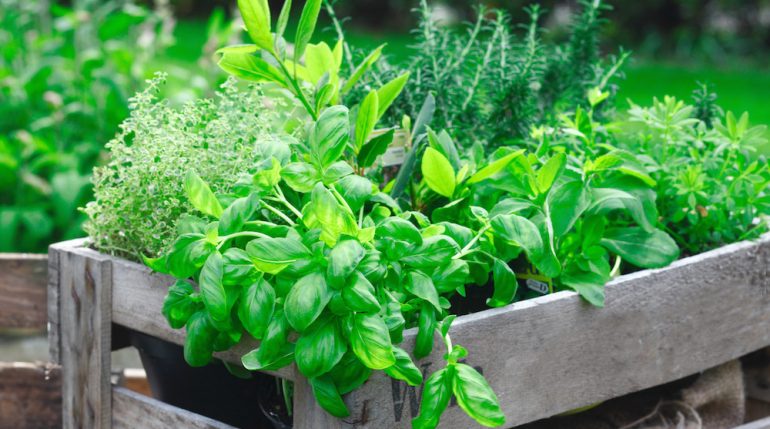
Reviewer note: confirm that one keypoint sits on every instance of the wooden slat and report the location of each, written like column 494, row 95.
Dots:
column 30, row 396
column 307, row 413
column 554, row 354
column 759, row 424
column 85, row 307
column 23, row 292
column 131, row 410
column 138, row 296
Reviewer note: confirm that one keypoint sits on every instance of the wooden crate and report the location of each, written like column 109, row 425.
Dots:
column 543, row 357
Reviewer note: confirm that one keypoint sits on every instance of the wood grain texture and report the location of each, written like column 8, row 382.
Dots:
column 759, row 424
column 554, row 354
column 307, row 413
column 23, row 292
column 85, row 326
column 131, row 410
column 30, row 396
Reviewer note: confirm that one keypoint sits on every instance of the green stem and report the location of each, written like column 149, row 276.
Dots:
column 284, row 201
column 279, row 214
column 467, row 249
column 226, row 238
column 341, row 200
column 297, row 89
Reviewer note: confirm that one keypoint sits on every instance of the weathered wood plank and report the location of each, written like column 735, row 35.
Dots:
column 23, row 292
column 759, row 424
column 307, row 413
column 30, row 396
column 131, row 410
column 85, row 327
column 554, row 354
column 138, row 296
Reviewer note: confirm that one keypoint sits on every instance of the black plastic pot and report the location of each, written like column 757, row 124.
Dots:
column 211, row 390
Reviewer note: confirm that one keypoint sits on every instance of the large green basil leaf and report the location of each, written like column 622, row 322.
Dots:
column 300, row 176
column 274, row 350
column 404, row 369
column 367, row 119
column 238, row 267
column 328, row 396
column 370, row 341
column 421, row 286
column 565, row 204
column 358, row 295
column 325, row 213
column 426, row 324
column 237, row 214
column 329, row 136
column 520, row 231
column 198, row 344
column 475, row 396
column 588, row 284
column 396, row 228
column 306, row 300
column 343, row 260
column 255, row 308
column 435, row 398
column 200, row 196
column 506, row 284
column 271, row 254
column 607, row 199
column 438, row 173
column 451, row 276
column 178, row 305
column 356, row 190
column 319, row 348
column 436, row 250
column 349, row 373
column 212, row 288
column 188, row 254
column 644, row 249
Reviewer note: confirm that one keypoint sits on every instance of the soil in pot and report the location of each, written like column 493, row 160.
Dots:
column 211, row 391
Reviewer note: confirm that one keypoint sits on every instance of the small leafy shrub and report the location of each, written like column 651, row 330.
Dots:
column 711, row 185
column 65, row 78
column 139, row 194
column 492, row 85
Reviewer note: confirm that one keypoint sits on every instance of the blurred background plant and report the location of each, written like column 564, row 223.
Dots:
column 68, row 69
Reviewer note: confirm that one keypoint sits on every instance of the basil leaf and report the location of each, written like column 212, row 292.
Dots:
column 356, row 190
column 438, row 173
column 521, row 232
column 607, row 199
column 343, row 260
column 256, row 360
column 306, row 300
column 256, row 18
column 494, row 167
column 273, row 347
column 641, row 248
column 566, row 203
column 367, row 119
column 404, row 369
column 319, row 349
column 158, row 265
column 255, row 307
column 548, row 174
column 198, row 344
column 200, row 196
column 435, row 399
column 325, row 213
column 188, row 224
column 451, row 276
column 396, row 228
column 475, row 396
column 212, row 288
column 328, row 396
column 300, row 176
column 329, row 136
column 588, row 284
column 306, row 27
column 506, row 285
column 349, row 373
column 337, row 171
column 237, row 214
column 370, row 341
column 178, row 305
column 426, row 324
column 421, row 286
column 188, row 254
column 435, row 250
column 358, row 295
column 374, row 148
column 277, row 251
column 250, row 67
column 238, row 267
